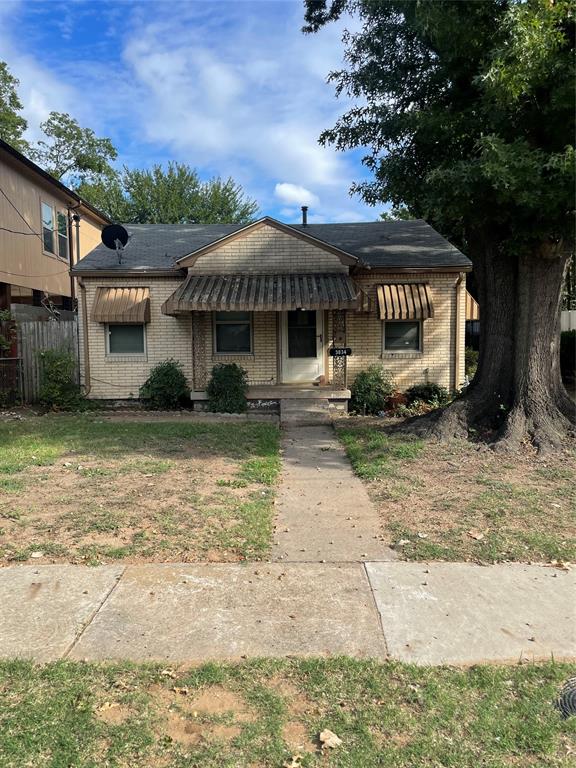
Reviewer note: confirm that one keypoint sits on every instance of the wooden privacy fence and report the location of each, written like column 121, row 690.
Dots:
column 35, row 336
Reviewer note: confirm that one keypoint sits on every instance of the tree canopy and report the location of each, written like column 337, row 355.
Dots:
column 468, row 113
column 12, row 124
column 467, row 110
column 172, row 195
column 72, row 152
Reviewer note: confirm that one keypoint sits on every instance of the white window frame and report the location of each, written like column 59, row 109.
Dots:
column 231, row 322
column 403, row 351
column 56, row 211
column 117, row 355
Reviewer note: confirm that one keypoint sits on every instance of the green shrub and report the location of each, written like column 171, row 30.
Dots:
column 59, row 388
column 432, row 394
column 371, row 389
column 227, row 389
column 568, row 354
column 166, row 387
column 470, row 362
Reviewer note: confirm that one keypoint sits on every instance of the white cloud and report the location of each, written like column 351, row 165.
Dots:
column 294, row 194
column 232, row 88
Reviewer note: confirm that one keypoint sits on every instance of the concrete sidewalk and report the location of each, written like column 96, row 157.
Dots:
column 441, row 613
column 323, row 512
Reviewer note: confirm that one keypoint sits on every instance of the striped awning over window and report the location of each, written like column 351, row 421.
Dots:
column 121, row 305
column 262, row 293
column 405, row 301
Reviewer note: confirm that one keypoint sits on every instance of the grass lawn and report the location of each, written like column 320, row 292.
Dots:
column 82, row 489
column 459, row 501
column 268, row 714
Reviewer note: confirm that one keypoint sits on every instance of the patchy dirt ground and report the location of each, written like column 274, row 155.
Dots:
column 460, row 501
column 271, row 714
column 136, row 492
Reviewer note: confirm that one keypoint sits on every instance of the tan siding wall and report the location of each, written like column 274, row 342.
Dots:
column 267, row 251
column 121, row 376
column 261, row 366
column 436, row 361
column 23, row 261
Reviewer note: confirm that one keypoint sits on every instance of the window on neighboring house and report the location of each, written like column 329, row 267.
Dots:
column 402, row 336
column 126, row 339
column 62, row 235
column 54, row 231
column 233, row 333
column 48, row 228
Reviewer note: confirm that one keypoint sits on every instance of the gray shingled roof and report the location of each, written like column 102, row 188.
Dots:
column 157, row 247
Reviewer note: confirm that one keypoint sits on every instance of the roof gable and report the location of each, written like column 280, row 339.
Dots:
column 191, row 259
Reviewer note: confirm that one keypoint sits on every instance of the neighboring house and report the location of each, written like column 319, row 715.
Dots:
column 39, row 238
column 277, row 299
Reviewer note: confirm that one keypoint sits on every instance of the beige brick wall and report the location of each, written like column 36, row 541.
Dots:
column 436, row 361
column 267, row 250
column 261, row 365
column 120, row 377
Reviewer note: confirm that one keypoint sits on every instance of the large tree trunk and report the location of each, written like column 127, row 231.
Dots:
column 517, row 394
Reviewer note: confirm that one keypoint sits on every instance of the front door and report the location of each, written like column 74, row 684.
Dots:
column 302, row 346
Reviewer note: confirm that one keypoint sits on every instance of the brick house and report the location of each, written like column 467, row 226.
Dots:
column 278, row 299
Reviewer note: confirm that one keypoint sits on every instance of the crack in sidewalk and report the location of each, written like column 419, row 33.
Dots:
column 375, row 604
column 93, row 615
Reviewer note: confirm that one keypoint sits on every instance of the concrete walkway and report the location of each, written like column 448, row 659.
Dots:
column 454, row 613
column 324, row 513
column 332, row 589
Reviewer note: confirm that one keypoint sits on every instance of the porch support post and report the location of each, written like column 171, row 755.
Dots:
column 339, row 378
column 199, row 344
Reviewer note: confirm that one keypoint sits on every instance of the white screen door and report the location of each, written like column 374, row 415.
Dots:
column 302, row 345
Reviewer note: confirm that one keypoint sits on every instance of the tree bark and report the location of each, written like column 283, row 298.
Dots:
column 517, row 395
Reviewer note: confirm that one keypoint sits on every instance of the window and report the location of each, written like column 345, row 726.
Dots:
column 401, row 336
column 54, row 231
column 48, row 228
column 126, row 339
column 233, row 333
column 62, row 236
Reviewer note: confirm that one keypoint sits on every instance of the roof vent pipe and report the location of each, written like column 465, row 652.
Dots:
column 304, row 215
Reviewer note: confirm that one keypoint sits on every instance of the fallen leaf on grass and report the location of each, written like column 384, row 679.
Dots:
column 329, row 739
column 168, row 673
column 560, row 564
column 107, row 705
column 184, row 690
column 477, row 535
column 294, row 762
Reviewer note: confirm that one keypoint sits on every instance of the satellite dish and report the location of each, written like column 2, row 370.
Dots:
column 114, row 236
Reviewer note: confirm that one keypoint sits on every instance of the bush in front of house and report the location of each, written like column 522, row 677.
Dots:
column 371, row 390
column 59, row 388
column 166, row 387
column 431, row 394
column 227, row 389
column 568, row 354
column 470, row 362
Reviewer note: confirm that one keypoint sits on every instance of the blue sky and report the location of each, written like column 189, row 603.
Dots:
column 232, row 88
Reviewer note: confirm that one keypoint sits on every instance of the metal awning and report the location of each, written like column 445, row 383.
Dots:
column 405, row 301
column 262, row 293
column 121, row 305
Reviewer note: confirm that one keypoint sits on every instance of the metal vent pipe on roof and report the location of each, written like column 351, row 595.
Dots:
column 304, row 215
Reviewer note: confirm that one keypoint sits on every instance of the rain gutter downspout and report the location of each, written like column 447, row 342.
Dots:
column 87, row 384
column 457, row 329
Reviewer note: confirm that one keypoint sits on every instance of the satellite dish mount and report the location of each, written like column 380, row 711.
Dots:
column 115, row 237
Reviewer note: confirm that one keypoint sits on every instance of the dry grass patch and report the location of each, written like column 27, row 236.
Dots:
column 460, row 501
column 82, row 490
